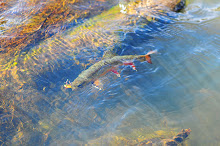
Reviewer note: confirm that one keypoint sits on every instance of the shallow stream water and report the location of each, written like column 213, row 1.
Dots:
column 179, row 90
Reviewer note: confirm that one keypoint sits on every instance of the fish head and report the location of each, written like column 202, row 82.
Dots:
column 74, row 85
column 77, row 84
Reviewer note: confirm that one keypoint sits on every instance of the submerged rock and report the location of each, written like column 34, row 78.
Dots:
column 165, row 138
column 176, row 140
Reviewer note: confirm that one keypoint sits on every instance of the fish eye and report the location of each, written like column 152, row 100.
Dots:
column 80, row 86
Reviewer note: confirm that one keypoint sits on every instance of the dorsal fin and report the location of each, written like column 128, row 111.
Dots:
column 108, row 54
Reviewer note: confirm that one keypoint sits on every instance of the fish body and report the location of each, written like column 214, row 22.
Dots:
column 104, row 66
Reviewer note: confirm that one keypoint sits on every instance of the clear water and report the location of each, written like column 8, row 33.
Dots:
column 179, row 90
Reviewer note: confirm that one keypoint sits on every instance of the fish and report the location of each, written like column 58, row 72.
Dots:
column 107, row 64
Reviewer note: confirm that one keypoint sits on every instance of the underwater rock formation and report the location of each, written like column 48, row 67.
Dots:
column 176, row 140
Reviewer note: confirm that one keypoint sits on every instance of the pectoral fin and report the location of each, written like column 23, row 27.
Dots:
column 97, row 84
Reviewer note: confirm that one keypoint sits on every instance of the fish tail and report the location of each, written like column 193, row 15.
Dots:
column 152, row 52
column 148, row 57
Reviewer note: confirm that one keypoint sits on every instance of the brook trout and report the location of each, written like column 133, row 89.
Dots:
column 107, row 64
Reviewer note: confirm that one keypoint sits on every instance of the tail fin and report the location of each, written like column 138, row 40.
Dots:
column 147, row 56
